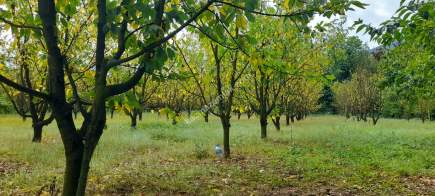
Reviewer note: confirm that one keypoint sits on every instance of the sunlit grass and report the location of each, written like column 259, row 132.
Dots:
column 319, row 154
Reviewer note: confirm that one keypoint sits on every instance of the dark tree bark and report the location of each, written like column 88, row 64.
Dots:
column 263, row 124
column 287, row 119
column 206, row 116
column 112, row 111
column 189, row 112
column 37, row 134
column 277, row 123
column 226, row 127
column 174, row 120
column 133, row 117
column 80, row 144
column 140, row 115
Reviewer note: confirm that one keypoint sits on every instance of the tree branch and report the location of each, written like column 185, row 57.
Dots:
column 158, row 43
column 25, row 89
column 298, row 13
column 24, row 26
column 117, row 89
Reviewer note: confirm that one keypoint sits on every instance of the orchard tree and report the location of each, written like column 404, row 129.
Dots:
column 345, row 53
column 134, row 102
column 360, row 97
column 125, row 32
column 25, row 65
column 408, row 74
column 195, row 63
column 284, row 51
column 301, row 98
column 407, row 62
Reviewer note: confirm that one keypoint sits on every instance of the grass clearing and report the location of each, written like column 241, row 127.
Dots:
column 320, row 155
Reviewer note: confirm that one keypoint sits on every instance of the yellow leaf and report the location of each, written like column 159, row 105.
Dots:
column 69, row 93
column 242, row 22
column 44, row 193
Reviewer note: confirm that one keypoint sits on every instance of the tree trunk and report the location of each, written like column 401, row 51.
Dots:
column 72, row 170
column 111, row 113
column 249, row 115
column 174, row 120
column 239, row 114
column 140, row 115
column 133, row 118
column 206, row 117
column 287, row 119
column 73, row 145
column 93, row 133
column 226, row 126
column 276, row 122
column 375, row 117
column 263, row 124
column 364, row 117
column 299, row 117
column 86, row 160
column 375, row 120
column 292, row 118
column 37, row 134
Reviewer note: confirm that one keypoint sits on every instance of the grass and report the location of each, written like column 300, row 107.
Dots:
column 320, row 155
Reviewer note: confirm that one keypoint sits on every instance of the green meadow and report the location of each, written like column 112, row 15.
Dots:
column 320, row 155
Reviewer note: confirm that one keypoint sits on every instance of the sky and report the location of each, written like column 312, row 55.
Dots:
column 377, row 12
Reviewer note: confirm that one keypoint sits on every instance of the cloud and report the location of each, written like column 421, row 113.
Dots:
column 377, row 12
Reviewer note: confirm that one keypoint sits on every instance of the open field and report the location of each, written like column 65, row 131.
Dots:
column 320, row 155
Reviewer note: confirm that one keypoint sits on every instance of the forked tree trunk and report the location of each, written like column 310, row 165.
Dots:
column 72, row 171
column 375, row 117
column 86, row 160
column 73, row 152
column 277, row 123
column 93, row 133
column 375, row 120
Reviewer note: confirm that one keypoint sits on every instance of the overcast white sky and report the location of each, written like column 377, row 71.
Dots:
column 377, row 12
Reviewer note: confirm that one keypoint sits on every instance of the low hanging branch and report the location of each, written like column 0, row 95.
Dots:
column 25, row 89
